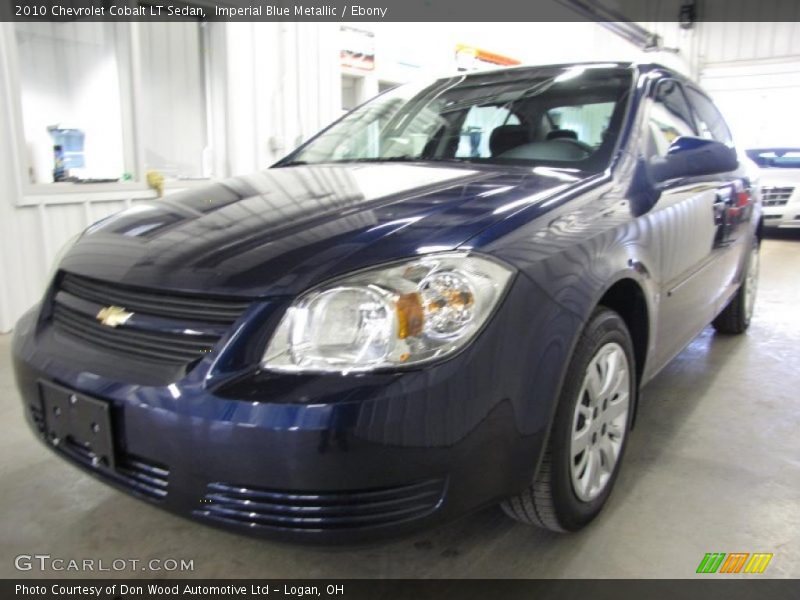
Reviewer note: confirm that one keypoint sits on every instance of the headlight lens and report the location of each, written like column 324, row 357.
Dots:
column 393, row 316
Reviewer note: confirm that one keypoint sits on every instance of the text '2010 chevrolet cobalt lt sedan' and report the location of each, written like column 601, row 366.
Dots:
column 447, row 299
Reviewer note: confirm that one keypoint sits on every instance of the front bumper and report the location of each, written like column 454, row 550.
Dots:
column 322, row 458
column 782, row 217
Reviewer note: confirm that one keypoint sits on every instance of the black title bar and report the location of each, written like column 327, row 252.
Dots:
column 688, row 11
column 711, row 588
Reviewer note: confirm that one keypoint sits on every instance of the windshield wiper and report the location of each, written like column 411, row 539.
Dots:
column 375, row 159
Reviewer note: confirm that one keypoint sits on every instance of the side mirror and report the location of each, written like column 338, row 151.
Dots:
column 691, row 156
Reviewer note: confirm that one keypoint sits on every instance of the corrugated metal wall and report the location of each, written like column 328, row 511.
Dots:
column 750, row 40
column 173, row 97
column 752, row 70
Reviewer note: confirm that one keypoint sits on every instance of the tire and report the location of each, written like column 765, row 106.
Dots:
column 736, row 317
column 559, row 499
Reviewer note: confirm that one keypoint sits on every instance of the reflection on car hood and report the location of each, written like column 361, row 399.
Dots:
column 281, row 230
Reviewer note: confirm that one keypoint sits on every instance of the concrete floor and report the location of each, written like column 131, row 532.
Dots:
column 713, row 465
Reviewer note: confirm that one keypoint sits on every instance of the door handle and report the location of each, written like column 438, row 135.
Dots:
column 724, row 196
column 720, row 205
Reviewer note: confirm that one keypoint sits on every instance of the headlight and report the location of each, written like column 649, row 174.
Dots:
column 393, row 316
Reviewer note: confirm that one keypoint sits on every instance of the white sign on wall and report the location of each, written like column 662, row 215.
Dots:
column 358, row 48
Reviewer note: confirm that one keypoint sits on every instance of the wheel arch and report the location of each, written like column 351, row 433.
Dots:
column 627, row 296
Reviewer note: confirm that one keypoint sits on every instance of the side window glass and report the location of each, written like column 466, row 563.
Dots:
column 670, row 117
column 709, row 120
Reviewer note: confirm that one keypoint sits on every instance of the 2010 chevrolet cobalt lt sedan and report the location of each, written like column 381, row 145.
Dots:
column 447, row 299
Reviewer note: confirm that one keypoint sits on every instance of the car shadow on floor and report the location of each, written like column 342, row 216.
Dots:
column 782, row 234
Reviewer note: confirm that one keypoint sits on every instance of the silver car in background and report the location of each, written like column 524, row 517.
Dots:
column 780, row 185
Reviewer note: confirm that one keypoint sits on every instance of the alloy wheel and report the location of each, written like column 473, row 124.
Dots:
column 751, row 284
column 600, row 421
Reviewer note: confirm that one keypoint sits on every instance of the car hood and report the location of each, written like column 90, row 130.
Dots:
column 282, row 230
column 780, row 177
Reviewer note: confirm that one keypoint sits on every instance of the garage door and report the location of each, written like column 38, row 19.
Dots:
column 760, row 100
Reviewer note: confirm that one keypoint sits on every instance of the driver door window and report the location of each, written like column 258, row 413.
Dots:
column 670, row 117
column 710, row 122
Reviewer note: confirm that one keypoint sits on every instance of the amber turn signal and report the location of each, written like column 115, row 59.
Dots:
column 410, row 316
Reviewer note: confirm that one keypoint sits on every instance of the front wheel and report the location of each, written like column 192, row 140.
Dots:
column 736, row 317
column 589, row 432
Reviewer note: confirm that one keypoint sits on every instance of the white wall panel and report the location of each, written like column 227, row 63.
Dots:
column 752, row 71
column 749, row 40
column 759, row 100
column 173, row 97
column 283, row 86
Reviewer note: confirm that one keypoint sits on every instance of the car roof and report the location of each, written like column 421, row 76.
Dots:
column 776, row 149
column 642, row 67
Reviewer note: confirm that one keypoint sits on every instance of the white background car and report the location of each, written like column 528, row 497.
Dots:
column 780, row 185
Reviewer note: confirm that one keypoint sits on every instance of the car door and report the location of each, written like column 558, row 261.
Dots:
column 686, row 227
column 734, row 198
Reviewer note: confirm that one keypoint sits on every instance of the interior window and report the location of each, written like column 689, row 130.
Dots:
column 476, row 130
column 352, row 92
column 71, row 103
column 76, row 84
column 709, row 120
column 670, row 117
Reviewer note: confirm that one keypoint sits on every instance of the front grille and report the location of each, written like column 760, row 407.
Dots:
column 172, row 348
column 151, row 302
column 140, row 476
column 319, row 511
column 776, row 196
column 171, row 329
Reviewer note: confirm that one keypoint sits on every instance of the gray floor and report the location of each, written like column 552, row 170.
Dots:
column 713, row 465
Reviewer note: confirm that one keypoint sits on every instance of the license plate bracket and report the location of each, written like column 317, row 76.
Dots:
column 74, row 419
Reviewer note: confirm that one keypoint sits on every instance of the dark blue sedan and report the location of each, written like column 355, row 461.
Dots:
column 448, row 299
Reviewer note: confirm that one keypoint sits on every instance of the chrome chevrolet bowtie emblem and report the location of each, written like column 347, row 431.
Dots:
column 113, row 316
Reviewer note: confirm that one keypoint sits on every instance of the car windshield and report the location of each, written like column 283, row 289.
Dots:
column 776, row 158
column 544, row 116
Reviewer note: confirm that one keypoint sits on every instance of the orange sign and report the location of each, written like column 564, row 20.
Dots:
column 470, row 54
